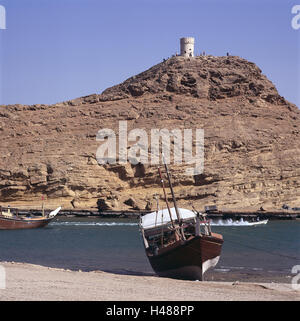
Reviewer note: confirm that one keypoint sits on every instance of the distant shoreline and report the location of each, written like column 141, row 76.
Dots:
column 219, row 214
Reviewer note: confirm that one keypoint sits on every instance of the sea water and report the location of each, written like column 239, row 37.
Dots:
column 264, row 252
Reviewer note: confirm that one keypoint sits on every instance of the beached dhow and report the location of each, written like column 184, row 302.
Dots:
column 179, row 242
column 11, row 220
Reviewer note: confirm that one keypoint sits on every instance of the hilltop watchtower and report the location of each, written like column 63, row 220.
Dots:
column 187, row 46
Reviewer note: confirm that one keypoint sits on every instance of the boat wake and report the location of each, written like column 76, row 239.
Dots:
column 228, row 222
column 241, row 222
column 92, row 224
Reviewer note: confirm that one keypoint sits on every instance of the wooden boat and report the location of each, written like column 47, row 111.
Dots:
column 179, row 242
column 11, row 220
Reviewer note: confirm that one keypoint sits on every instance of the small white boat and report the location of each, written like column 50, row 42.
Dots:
column 258, row 222
column 241, row 222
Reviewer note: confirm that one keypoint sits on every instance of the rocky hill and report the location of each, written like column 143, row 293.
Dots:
column 252, row 141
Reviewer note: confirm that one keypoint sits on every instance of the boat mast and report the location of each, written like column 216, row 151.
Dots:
column 157, row 209
column 177, row 234
column 43, row 212
column 172, row 192
column 165, row 194
column 174, row 200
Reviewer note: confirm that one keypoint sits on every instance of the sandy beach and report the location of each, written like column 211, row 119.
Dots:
column 35, row 283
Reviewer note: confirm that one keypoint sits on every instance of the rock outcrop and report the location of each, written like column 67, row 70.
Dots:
column 252, row 141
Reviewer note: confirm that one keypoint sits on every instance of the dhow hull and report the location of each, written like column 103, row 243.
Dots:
column 188, row 260
column 16, row 224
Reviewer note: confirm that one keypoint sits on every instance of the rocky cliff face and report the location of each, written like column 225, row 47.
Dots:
column 252, row 141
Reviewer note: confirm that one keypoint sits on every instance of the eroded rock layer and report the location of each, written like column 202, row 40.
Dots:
column 252, row 141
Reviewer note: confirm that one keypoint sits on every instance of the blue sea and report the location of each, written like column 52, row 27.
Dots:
column 264, row 253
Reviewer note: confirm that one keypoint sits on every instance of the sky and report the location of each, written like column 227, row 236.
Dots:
column 55, row 50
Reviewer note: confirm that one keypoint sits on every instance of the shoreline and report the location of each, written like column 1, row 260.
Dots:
column 135, row 214
column 221, row 274
column 31, row 282
column 251, row 215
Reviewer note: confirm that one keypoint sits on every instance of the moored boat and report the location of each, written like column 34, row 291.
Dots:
column 11, row 220
column 179, row 242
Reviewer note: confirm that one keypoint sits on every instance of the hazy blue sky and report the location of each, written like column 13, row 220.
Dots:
column 55, row 50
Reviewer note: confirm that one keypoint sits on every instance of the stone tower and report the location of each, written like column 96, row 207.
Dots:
column 187, row 47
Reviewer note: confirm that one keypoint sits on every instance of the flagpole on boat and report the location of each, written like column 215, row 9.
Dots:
column 43, row 211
